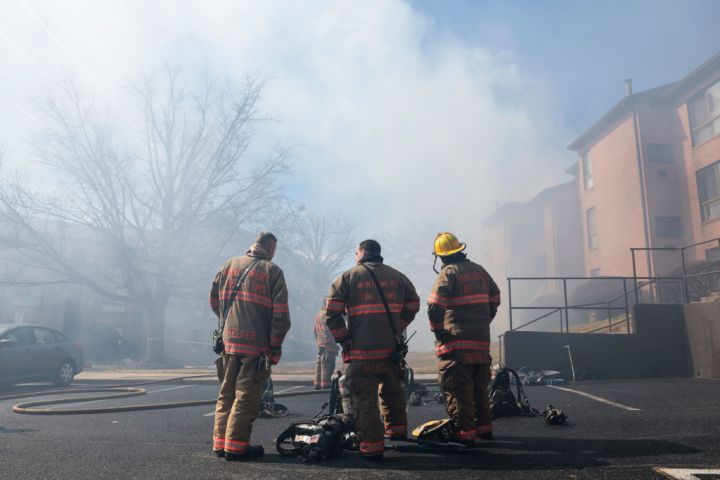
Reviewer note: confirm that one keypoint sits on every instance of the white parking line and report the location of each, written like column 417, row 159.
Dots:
column 289, row 389
column 686, row 473
column 597, row 399
column 171, row 388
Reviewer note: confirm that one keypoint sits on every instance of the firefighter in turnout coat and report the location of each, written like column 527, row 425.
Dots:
column 327, row 351
column 462, row 303
column 368, row 343
column 254, row 330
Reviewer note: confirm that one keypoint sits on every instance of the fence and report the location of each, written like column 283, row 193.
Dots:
column 689, row 282
column 694, row 280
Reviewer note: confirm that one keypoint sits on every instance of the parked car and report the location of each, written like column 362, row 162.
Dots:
column 30, row 353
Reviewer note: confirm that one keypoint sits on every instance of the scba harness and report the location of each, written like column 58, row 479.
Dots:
column 318, row 440
column 503, row 403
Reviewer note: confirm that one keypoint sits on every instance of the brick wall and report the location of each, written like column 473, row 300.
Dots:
column 617, row 201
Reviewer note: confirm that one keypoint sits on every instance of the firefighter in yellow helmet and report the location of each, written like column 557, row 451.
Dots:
column 462, row 302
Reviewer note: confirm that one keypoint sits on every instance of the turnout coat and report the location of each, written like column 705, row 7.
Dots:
column 462, row 303
column 258, row 319
column 368, row 332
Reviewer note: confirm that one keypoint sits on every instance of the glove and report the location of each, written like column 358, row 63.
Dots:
column 442, row 336
column 274, row 356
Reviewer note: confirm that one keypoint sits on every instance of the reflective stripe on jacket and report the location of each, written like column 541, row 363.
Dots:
column 259, row 317
column 463, row 301
column 368, row 329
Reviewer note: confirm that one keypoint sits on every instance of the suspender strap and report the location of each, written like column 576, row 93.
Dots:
column 231, row 300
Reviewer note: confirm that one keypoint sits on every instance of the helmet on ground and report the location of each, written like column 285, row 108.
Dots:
column 433, row 431
column 446, row 244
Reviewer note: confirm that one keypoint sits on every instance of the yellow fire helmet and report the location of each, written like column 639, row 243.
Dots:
column 434, row 431
column 446, row 244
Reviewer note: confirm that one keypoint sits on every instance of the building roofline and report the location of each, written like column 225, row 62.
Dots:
column 498, row 213
column 573, row 169
column 510, row 207
column 617, row 112
column 666, row 92
column 693, row 77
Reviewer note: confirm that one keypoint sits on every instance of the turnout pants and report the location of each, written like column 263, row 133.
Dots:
column 237, row 404
column 366, row 381
column 324, row 366
column 466, row 397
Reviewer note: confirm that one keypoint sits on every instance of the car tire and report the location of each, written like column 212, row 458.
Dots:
column 65, row 373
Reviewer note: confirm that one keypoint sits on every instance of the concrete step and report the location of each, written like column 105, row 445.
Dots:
column 714, row 297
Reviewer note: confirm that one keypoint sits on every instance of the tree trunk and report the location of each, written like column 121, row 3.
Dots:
column 155, row 331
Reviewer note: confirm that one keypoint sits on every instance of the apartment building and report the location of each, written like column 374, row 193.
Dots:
column 538, row 238
column 649, row 175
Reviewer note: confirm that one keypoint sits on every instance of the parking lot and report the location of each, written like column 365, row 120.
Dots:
column 616, row 429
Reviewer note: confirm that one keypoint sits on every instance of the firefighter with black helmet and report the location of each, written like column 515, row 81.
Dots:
column 462, row 302
column 369, row 343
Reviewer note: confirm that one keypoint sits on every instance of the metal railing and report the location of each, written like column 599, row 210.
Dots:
column 651, row 283
column 683, row 262
column 565, row 309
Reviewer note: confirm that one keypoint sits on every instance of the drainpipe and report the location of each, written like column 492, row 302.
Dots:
column 643, row 191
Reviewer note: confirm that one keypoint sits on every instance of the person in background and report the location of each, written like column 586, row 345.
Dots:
column 327, row 351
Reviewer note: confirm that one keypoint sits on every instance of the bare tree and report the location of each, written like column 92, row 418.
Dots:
column 157, row 205
column 319, row 246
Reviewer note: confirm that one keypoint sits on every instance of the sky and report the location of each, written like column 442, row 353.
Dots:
column 585, row 49
column 412, row 117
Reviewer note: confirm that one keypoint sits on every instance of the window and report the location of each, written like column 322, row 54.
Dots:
column 712, row 253
column 44, row 336
column 659, row 152
column 708, row 180
column 662, row 173
column 704, row 112
column 591, row 228
column 21, row 336
column 587, row 170
column 595, row 272
column 668, row 227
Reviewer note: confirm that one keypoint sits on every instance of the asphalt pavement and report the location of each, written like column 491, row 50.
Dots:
column 616, row 429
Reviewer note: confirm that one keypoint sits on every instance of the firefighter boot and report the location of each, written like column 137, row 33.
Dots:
column 484, row 432
column 253, row 451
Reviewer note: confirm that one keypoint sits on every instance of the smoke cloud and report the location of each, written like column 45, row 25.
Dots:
column 404, row 127
column 390, row 119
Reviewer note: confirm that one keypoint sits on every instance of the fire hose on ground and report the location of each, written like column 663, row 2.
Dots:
column 118, row 391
